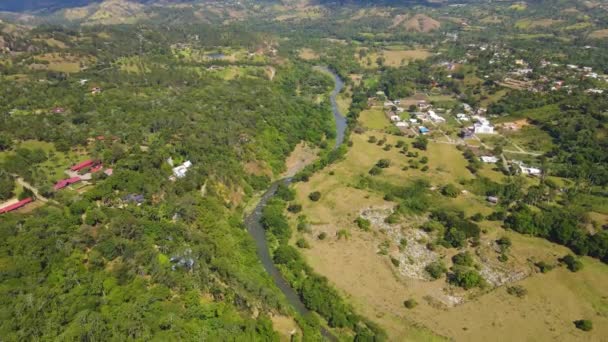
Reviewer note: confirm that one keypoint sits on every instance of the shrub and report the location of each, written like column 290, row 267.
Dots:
column 478, row 217
column 425, row 168
column 294, row 208
column 503, row 257
column 410, row 303
column 544, row 267
column 584, row 324
column 388, row 147
column 463, row 259
column 572, row 263
column 322, row 236
column 402, row 244
column 466, row 278
column 363, row 224
column 424, row 160
column 420, row 143
column 314, row 196
column 395, row 262
column 302, row 243
column 436, row 269
column 383, row 163
column 374, row 171
column 372, row 139
column 517, row 290
column 392, row 218
column 450, row 190
column 342, row 234
column 400, row 144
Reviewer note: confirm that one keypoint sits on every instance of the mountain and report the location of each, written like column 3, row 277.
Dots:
column 41, row 5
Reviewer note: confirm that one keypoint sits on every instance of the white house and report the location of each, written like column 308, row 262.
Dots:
column 395, row 118
column 462, row 117
column 529, row 170
column 400, row 109
column 489, row 159
column 482, row 128
column 181, row 170
column 402, row 124
column 434, row 117
column 388, row 104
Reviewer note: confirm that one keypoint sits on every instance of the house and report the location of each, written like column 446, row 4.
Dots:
column 395, row 118
column 467, row 133
column 482, row 126
column 181, row 170
column 96, row 168
column 434, row 117
column 388, row 104
column 109, row 172
column 83, row 81
column 489, row 159
column 83, row 165
column 400, row 109
column 414, row 121
column 531, row 171
column 594, row 91
column 96, row 90
column 16, row 206
column 422, row 105
column 423, row 130
column 402, row 124
column 462, row 117
column 65, row 182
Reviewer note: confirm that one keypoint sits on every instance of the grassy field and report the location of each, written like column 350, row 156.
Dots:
column 527, row 24
column 599, row 34
column 62, row 63
column 374, row 119
column 373, row 285
column 308, row 54
column 394, row 57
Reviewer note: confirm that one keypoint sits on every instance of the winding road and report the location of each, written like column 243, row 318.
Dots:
column 255, row 228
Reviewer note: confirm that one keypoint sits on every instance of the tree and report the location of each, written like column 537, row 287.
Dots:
column 584, row 324
column 436, row 269
column 383, row 163
column 421, row 142
column 410, row 303
column 463, row 259
column 465, row 278
column 5, row 142
column 450, row 190
column 7, row 185
column 572, row 263
column 314, row 196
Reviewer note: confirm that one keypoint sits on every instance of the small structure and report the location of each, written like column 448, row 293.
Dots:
column 96, row 168
column 388, row 104
column 468, row 132
column 422, row 105
column 138, row 199
column 395, row 118
column 96, row 90
column 423, row 130
column 530, row 171
column 109, row 172
column 65, row 182
column 82, row 165
column 181, row 170
column 492, row 199
column 58, row 110
column 434, row 117
column 489, row 159
column 17, row 205
column 402, row 124
column 482, row 126
column 462, row 117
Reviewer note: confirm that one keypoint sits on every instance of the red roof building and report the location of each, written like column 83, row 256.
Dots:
column 83, row 165
column 16, row 206
column 65, row 182
column 96, row 168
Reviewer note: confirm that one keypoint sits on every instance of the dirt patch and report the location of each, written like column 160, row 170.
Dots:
column 599, row 34
column 308, row 54
column 302, row 155
column 514, row 125
column 285, row 326
column 257, row 168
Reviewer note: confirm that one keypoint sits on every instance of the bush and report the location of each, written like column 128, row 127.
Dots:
column 383, row 163
column 465, row 278
column 517, row 290
column 477, row 217
column 584, row 324
column 572, row 263
column 424, row 160
column 410, row 303
column 395, row 262
column 388, row 147
column 363, row 224
column 544, row 267
column 400, row 144
column 322, row 236
column 450, row 190
column 302, row 243
column 436, row 269
column 375, row 171
column 463, row 259
column 421, row 142
column 503, row 257
column 294, row 208
column 425, row 168
column 314, row 196
column 372, row 139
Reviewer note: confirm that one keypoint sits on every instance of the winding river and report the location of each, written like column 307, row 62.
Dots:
column 255, row 228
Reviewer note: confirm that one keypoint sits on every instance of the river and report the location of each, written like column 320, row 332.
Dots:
column 255, row 228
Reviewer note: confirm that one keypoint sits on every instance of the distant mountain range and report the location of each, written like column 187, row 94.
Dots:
column 41, row 5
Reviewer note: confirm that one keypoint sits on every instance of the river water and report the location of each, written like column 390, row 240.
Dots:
column 255, row 228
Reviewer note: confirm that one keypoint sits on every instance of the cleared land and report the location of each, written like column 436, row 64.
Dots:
column 377, row 288
column 394, row 57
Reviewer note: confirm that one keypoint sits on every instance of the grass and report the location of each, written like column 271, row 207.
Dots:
column 308, row 54
column 526, row 24
column 62, row 63
column 599, row 34
column 394, row 57
column 374, row 119
column 369, row 281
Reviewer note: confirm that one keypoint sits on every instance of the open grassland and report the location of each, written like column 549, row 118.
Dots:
column 528, row 24
column 374, row 119
column 599, row 34
column 308, row 54
column 61, row 62
column 377, row 289
column 393, row 57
